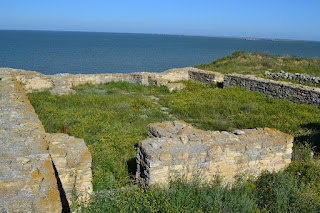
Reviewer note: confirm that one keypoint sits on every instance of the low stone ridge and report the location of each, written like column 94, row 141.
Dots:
column 27, row 178
column 178, row 148
column 296, row 93
column 299, row 77
column 73, row 163
column 61, row 84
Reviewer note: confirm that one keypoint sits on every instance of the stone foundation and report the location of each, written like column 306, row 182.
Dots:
column 33, row 162
column 299, row 77
column 178, row 148
column 61, row 84
column 205, row 76
column 294, row 92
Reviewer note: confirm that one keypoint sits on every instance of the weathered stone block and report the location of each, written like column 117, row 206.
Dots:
column 210, row 153
column 73, row 163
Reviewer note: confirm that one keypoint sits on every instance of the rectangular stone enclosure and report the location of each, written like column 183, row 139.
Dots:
column 178, row 148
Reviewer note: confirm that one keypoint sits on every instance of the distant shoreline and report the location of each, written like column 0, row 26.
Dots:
column 208, row 36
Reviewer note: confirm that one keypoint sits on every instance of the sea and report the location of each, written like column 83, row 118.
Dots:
column 51, row 52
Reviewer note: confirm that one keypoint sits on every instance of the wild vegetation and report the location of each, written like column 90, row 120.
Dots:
column 294, row 190
column 112, row 118
column 257, row 63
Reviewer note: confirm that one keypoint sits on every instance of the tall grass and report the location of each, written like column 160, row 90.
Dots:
column 112, row 118
column 236, row 108
column 296, row 189
column 257, row 63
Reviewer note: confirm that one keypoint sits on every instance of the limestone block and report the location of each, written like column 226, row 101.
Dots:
column 209, row 153
column 33, row 81
column 73, row 163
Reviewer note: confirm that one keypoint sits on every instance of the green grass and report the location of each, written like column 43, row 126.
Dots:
column 296, row 189
column 235, row 108
column 112, row 118
column 257, row 63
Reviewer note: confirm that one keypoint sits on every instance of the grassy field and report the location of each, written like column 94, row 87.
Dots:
column 112, row 118
column 257, row 63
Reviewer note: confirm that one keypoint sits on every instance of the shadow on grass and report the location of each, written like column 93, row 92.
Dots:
column 132, row 168
column 313, row 139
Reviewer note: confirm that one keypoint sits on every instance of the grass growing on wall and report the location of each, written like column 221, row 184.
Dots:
column 112, row 118
column 257, row 63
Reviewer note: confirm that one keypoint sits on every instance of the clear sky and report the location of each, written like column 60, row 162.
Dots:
column 286, row 19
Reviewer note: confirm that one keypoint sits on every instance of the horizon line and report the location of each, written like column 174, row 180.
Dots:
column 173, row 34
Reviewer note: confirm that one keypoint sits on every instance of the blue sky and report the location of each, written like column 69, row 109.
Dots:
column 286, row 19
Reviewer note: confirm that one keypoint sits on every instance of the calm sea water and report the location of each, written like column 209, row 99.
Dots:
column 88, row 52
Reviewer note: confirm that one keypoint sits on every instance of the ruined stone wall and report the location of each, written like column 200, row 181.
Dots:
column 33, row 162
column 178, row 148
column 72, row 160
column 27, row 178
column 299, row 77
column 207, row 77
column 62, row 83
column 294, row 92
column 30, row 80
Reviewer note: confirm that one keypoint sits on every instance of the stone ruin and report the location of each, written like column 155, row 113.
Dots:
column 299, row 77
column 61, row 84
column 38, row 171
column 41, row 172
column 176, row 147
column 296, row 93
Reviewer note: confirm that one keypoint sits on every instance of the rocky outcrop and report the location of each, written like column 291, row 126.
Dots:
column 296, row 93
column 27, row 177
column 299, row 77
column 177, row 147
column 72, row 160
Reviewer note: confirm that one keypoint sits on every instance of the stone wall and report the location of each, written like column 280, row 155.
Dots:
column 27, row 178
column 294, row 92
column 177, row 147
column 61, row 84
column 205, row 76
column 72, row 160
column 33, row 162
column 299, row 77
